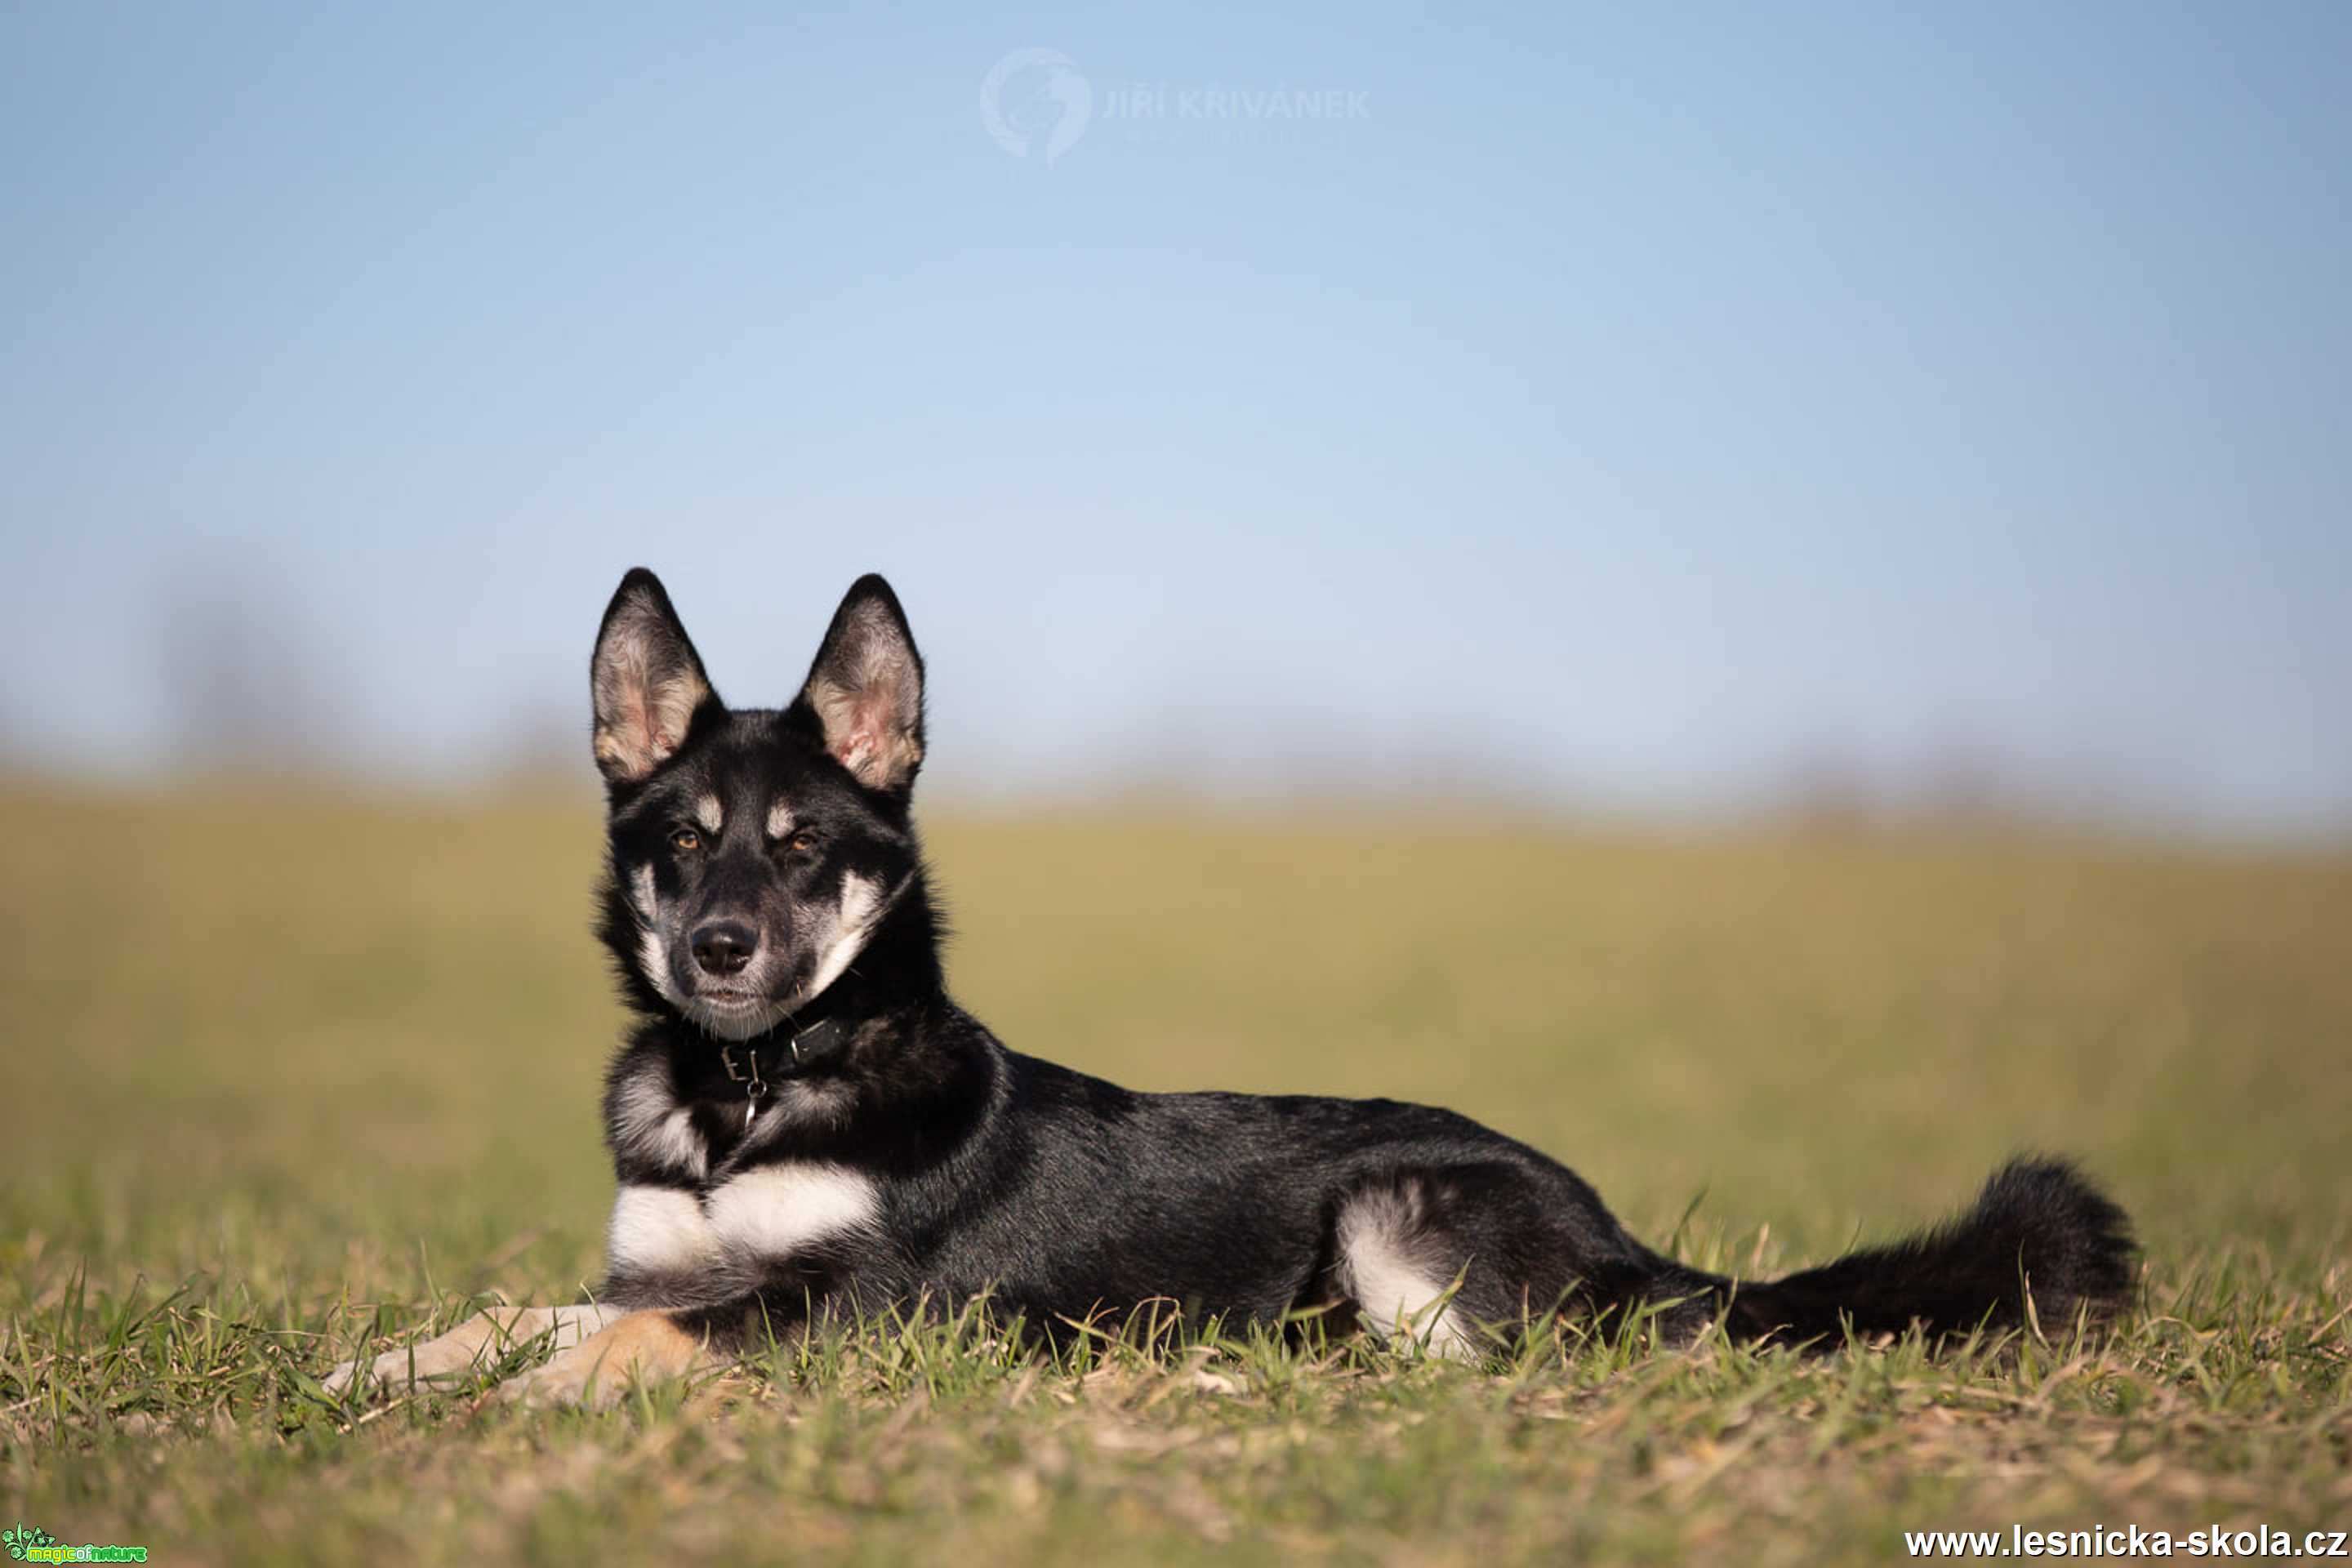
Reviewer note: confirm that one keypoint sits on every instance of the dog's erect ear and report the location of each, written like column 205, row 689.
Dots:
column 646, row 680
column 866, row 688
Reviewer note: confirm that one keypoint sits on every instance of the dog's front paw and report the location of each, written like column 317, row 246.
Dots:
column 597, row 1372
column 453, row 1357
column 577, row 1378
column 345, row 1373
column 430, row 1362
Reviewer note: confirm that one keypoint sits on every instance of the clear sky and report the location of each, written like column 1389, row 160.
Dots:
column 1630, row 405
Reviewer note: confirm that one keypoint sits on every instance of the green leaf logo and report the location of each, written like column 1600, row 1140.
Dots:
column 20, row 1539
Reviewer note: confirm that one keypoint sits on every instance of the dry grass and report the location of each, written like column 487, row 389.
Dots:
column 291, row 1071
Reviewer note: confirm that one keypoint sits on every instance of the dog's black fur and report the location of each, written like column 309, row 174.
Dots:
column 938, row 1165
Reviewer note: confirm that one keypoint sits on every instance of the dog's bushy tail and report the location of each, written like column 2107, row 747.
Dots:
column 2041, row 1246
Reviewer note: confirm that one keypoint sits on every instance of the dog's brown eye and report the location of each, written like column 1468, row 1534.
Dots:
column 685, row 840
column 802, row 842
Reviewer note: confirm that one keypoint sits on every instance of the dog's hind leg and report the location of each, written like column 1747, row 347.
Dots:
column 473, row 1343
column 1397, row 1263
column 1448, row 1255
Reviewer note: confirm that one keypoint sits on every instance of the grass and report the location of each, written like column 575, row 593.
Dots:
column 290, row 1074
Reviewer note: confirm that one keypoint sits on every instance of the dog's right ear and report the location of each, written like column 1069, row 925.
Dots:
column 646, row 680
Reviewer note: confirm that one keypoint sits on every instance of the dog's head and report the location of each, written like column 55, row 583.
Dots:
column 754, row 852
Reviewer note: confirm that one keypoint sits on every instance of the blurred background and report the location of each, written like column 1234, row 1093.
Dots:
column 1855, row 411
column 1759, row 599
column 1758, row 596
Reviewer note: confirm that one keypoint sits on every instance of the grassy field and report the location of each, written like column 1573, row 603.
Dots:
column 290, row 1074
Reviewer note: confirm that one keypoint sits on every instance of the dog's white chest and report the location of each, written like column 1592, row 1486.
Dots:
column 768, row 1212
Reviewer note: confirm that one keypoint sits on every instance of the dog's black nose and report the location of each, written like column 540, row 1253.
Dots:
column 724, row 947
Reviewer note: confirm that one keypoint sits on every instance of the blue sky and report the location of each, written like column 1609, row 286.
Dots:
column 1616, row 405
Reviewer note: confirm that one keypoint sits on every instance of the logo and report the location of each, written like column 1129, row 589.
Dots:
column 1034, row 98
column 21, row 1539
column 30, row 1544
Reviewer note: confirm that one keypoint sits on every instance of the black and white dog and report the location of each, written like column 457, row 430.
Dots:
column 803, row 1122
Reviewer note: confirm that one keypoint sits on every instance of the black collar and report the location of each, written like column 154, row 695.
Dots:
column 798, row 1045
column 793, row 1047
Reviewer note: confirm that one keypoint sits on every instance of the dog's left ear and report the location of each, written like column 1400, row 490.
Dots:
column 866, row 688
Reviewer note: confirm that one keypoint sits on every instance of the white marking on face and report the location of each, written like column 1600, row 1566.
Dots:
column 658, row 1229
column 648, row 1120
column 709, row 814
column 1394, row 1288
column 733, row 1023
column 653, row 960
column 642, row 896
column 720, row 1021
column 780, row 820
column 775, row 1211
column 861, row 906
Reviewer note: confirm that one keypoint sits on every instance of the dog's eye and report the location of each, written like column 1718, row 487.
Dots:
column 804, row 842
column 685, row 840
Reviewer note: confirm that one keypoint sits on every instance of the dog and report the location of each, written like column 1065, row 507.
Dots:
column 804, row 1126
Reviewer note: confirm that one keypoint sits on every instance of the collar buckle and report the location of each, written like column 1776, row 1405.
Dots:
column 824, row 1039
column 755, row 1085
